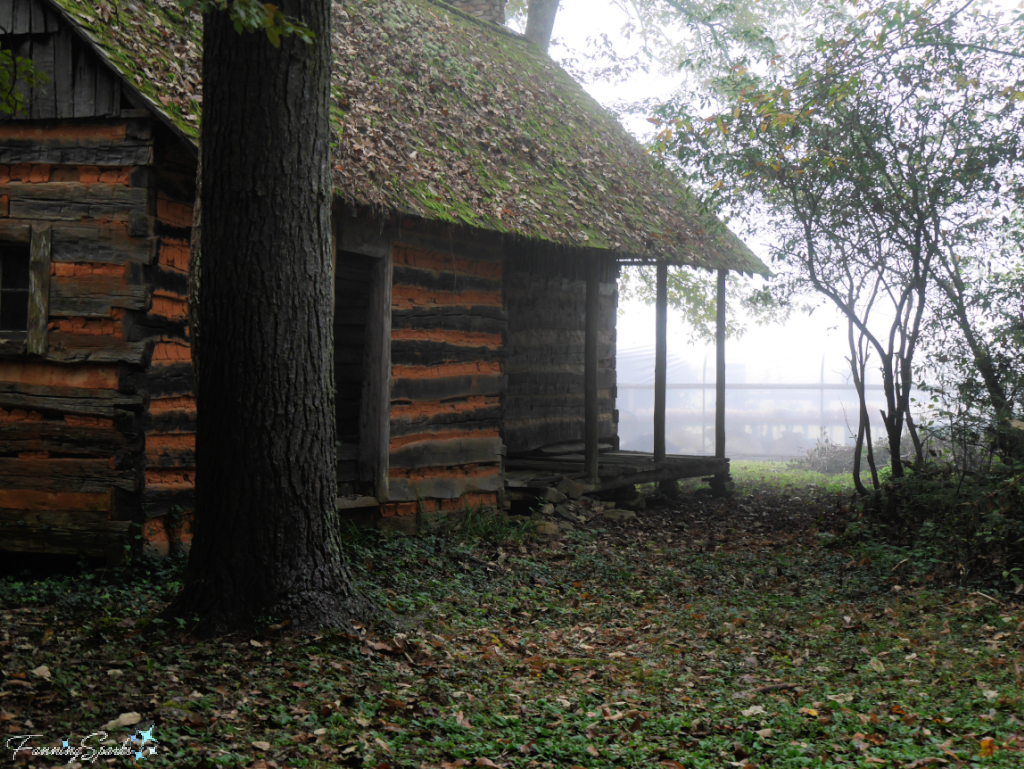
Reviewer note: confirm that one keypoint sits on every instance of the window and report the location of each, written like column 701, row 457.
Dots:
column 14, row 287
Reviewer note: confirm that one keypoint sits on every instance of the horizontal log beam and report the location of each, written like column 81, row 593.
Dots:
column 94, row 296
column 443, row 281
column 426, row 353
column 438, row 388
column 95, row 348
column 441, row 453
column 462, row 322
column 159, row 381
column 82, row 476
column 66, row 400
column 410, row 490
column 67, row 533
column 71, row 201
column 59, row 437
column 129, row 151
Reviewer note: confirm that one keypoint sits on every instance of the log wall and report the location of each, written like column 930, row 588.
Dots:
column 447, row 379
column 93, row 406
column 546, row 300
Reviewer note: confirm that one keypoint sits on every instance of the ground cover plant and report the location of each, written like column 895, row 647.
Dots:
column 706, row 633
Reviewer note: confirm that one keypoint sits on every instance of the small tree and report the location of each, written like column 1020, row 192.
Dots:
column 865, row 148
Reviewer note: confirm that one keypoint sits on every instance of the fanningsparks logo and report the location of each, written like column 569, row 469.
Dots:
column 96, row 745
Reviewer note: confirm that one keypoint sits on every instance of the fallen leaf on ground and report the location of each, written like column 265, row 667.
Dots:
column 988, row 747
column 123, row 720
column 42, row 672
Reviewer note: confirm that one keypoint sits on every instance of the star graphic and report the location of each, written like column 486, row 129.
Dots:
column 133, row 737
column 147, row 735
column 152, row 750
column 67, row 743
column 138, row 755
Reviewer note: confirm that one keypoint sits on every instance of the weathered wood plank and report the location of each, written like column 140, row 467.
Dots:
column 440, row 453
column 434, row 389
column 410, row 315
column 91, row 152
column 39, row 291
column 171, row 421
column 6, row 17
column 157, row 501
column 82, row 476
column 172, row 458
column 364, row 241
column 94, row 296
column 70, row 201
column 63, row 73
column 474, row 248
column 424, row 353
column 22, row 23
column 16, row 232
column 38, row 18
column 85, row 84
column 478, row 419
column 64, row 533
column 66, row 400
column 52, row 23
column 443, row 281
column 59, row 437
column 409, row 490
column 43, row 106
column 106, row 245
column 104, row 93
column 159, row 381
column 94, row 348
column 375, row 402
column 462, row 322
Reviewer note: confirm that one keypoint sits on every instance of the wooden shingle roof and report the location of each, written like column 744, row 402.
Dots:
column 441, row 116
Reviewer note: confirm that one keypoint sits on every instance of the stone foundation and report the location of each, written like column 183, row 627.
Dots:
column 487, row 10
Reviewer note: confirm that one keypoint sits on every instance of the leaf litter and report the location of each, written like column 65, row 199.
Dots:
column 701, row 633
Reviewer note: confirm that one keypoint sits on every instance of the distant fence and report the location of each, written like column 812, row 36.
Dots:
column 786, row 423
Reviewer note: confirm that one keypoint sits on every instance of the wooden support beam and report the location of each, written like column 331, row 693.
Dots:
column 590, row 390
column 720, row 368
column 660, row 361
column 721, row 483
column 375, row 412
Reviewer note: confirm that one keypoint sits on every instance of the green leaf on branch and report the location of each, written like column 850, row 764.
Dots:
column 252, row 16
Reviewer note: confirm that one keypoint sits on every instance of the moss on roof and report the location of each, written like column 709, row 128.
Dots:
column 439, row 115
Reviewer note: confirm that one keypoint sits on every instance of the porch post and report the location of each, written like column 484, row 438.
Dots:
column 720, row 483
column 660, row 361
column 591, row 411
column 720, row 368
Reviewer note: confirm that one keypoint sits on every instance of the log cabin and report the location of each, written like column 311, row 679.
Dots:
column 483, row 207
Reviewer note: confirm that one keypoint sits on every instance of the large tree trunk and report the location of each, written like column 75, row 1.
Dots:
column 266, row 536
column 540, row 21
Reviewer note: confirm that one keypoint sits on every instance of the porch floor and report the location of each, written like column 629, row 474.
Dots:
column 527, row 476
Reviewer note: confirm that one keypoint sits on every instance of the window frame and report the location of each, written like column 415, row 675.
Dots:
column 35, row 339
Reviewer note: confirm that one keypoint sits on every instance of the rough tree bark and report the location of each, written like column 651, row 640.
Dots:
column 540, row 21
column 266, row 537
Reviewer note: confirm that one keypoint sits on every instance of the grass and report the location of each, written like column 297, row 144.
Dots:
column 749, row 475
column 715, row 634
